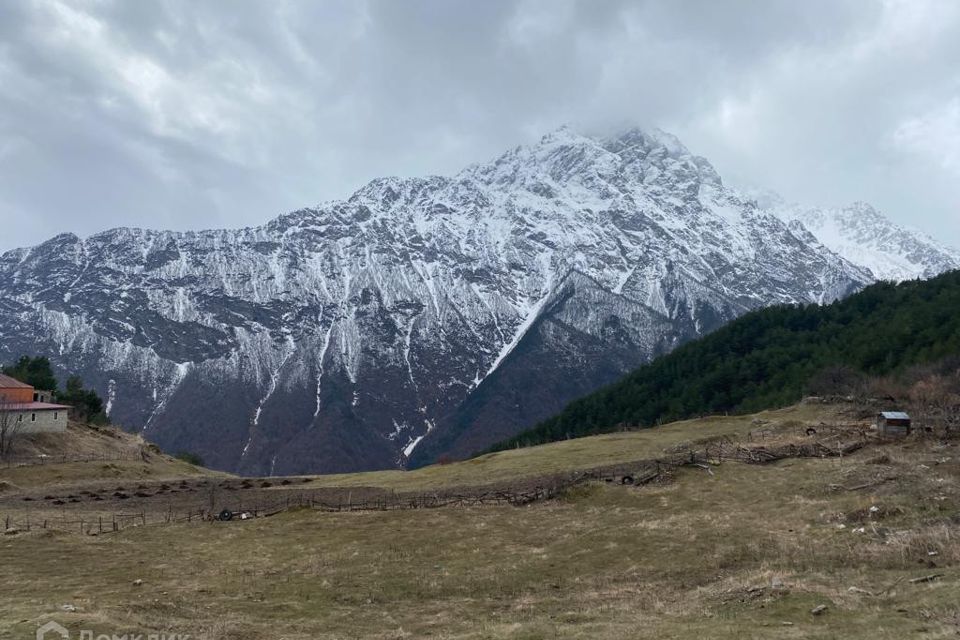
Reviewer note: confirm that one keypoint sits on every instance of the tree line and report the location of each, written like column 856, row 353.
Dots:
column 774, row 356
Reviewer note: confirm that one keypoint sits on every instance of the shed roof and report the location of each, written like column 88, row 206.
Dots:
column 6, row 382
column 895, row 415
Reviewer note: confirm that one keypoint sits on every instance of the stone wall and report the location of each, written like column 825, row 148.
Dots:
column 39, row 421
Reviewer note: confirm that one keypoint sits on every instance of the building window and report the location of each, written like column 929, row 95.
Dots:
column 54, row 415
column 20, row 417
column 33, row 417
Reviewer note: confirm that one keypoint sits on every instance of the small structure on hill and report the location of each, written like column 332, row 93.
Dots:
column 27, row 410
column 893, row 423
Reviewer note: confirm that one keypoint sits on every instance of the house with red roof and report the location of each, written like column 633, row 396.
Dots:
column 30, row 410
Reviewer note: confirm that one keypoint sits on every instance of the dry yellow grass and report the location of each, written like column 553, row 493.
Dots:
column 577, row 454
column 54, row 475
column 738, row 552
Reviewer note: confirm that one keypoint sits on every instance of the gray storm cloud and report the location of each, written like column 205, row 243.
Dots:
column 183, row 115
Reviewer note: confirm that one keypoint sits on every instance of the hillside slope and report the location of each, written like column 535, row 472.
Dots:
column 86, row 453
column 767, row 358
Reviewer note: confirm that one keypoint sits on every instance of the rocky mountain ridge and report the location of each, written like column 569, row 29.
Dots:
column 867, row 238
column 419, row 317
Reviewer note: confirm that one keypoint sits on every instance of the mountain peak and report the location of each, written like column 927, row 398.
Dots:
column 568, row 159
column 565, row 134
column 866, row 237
column 630, row 137
column 338, row 337
column 647, row 140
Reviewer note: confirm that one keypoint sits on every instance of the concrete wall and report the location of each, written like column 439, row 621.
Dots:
column 39, row 421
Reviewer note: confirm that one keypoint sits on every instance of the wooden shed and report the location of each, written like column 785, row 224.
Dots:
column 893, row 423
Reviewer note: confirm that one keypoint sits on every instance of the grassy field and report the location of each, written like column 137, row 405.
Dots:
column 153, row 488
column 578, row 454
column 739, row 551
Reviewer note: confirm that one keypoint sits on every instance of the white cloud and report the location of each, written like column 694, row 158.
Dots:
column 934, row 135
column 182, row 114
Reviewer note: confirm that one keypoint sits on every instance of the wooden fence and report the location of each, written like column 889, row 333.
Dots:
column 242, row 510
column 516, row 494
column 26, row 461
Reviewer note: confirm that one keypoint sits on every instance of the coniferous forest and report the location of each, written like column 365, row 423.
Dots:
column 773, row 357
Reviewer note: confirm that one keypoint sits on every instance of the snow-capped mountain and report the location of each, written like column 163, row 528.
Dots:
column 421, row 316
column 865, row 237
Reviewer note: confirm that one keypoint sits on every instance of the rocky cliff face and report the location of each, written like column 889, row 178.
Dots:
column 421, row 316
column 865, row 237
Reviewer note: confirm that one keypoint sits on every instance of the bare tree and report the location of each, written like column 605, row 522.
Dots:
column 922, row 395
column 10, row 424
column 947, row 403
column 836, row 380
column 936, row 401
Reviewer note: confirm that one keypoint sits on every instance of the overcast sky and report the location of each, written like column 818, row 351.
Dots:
column 180, row 114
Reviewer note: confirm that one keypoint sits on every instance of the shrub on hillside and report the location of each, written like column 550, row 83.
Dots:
column 86, row 405
column 190, row 458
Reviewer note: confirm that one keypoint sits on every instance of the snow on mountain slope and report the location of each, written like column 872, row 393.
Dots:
column 865, row 237
column 405, row 321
